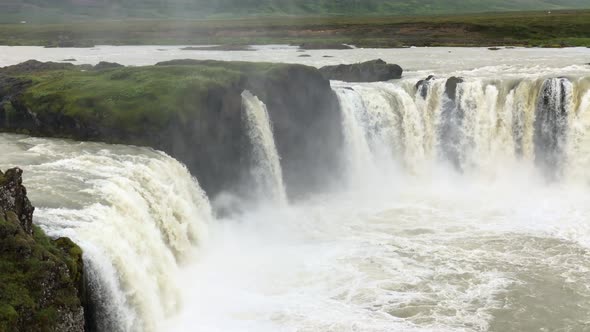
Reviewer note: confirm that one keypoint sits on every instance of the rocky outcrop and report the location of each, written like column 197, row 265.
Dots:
column 41, row 283
column 370, row 71
column 202, row 125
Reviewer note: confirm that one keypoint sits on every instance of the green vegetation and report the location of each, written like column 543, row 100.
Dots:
column 135, row 100
column 13, row 11
column 28, row 266
column 562, row 28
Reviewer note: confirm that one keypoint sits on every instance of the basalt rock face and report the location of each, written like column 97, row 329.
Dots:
column 202, row 125
column 41, row 283
column 370, row 71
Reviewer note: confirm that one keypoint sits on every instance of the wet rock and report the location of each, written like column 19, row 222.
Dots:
column 370, row 71
column 451, row 86
column 423, row 85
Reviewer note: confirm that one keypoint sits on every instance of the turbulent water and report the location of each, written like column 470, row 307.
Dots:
column 464, row 208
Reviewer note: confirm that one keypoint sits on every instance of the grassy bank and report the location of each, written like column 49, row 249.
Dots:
column 558, row 29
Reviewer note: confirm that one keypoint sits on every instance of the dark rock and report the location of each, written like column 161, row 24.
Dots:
column 494, row 48
column 451, row 87
column 370, row 71
column 305, row 56
column 107, row 65
column 423, row 85
column 69, row 60
column 324, row 46
column 327, row 56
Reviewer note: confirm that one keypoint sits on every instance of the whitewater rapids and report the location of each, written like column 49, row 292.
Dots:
column 455, row 214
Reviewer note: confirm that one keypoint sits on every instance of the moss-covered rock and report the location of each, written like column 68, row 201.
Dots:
column 190, row 109
column 40, row 279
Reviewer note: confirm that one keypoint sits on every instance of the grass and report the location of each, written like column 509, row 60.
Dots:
column 560, row 28
column 38, row 11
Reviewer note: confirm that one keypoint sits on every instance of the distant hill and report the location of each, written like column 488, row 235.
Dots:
column 65, row 10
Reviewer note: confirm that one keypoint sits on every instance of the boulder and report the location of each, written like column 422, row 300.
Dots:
column 370, row 71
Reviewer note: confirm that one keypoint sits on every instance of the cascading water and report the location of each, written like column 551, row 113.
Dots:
column 138, row 215
column 473, row 124
column 552, row 123
column 266, row 170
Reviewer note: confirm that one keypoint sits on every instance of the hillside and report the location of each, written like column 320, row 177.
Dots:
column 12, row 11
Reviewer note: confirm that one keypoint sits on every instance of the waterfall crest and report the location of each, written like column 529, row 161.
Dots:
column 266, row 169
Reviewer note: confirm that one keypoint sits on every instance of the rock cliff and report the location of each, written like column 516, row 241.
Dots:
column 41, row 283
column 187, row 108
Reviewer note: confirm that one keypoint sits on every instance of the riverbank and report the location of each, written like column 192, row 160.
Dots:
column 530, row 29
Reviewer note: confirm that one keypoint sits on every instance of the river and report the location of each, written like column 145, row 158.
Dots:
column 455, row 214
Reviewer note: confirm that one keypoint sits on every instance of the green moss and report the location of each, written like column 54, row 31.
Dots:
column 135, row 100
column 31, row 266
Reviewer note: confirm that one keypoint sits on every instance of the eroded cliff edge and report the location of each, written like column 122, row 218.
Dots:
column 41, row 280
column 190, row 109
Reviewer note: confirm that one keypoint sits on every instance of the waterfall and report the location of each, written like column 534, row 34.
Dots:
column 475, row 125
column 551, row 124
column 359, row 156
column 148, row 216
column 266, row 170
